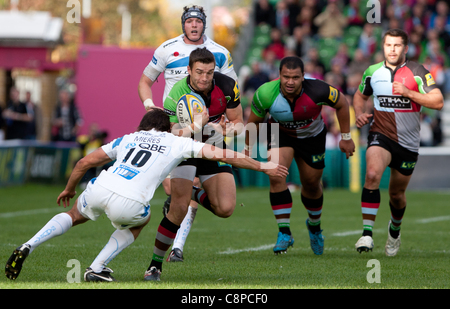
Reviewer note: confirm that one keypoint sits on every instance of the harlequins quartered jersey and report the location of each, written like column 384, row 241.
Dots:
column 301, row 118
column 223, row 95
column 395, row 116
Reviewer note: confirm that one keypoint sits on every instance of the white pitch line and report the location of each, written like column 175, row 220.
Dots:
column 260, row 248
column 30, row 212
column 434, row 219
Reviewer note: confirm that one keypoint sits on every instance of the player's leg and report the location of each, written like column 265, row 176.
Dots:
column 312, row 199
column 219, row 193
column 56, row 226
column 397, row 202
column 377, row 160
column 176, row 255
column 181, row 187
column 281, row 199
column 119, row 240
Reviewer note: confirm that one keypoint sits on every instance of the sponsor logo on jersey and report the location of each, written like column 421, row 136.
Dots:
column 430, row 79
column 154, row 60
column 333, row 94
column 230, row 60
column 394, row 102
column 237, row 92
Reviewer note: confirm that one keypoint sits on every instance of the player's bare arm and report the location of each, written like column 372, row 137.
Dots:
column 94, row 159
column 359, row 102
column 145, row 90
column 213, row 153
column 346, row 144
column 433, row 99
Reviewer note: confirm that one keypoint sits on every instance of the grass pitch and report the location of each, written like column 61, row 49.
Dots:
column 236, row 253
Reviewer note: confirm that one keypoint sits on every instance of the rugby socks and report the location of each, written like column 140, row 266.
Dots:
column 57, row 226
column 314, row 208
column 164, row 238
column 396, row 220
column 118, row 241
column 281, row 203
column 184, row 229
column 370, row 202
column 199, row 195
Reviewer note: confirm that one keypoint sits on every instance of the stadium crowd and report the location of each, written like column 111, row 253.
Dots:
column 337, row 43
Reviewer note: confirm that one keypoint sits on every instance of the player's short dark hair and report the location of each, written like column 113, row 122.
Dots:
column 397, row 33
column 156, row 119
column 292, row 63
column 202, row 55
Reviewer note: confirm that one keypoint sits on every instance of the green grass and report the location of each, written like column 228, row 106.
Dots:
column 236, row 253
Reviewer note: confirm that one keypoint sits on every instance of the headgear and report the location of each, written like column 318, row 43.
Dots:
column 193, row 12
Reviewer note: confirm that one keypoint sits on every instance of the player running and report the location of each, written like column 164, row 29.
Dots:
column 123, row 192
column 295, row 104
column 400, row 89
column 222, row 98
column 172, row 58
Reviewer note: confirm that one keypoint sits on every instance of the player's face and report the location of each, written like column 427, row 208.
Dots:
column 291, row 81
column 202, row 75
column 394, row 50
column 193, row 28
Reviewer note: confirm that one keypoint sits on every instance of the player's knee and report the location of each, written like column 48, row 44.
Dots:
column 372, row 177
column 224, row 210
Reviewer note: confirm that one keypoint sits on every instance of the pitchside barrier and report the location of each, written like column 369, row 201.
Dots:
column 24, row 161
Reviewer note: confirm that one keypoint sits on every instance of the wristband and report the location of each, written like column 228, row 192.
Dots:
column 346, row 136
column 190, row 129
column 148, row 103
column 246, row 147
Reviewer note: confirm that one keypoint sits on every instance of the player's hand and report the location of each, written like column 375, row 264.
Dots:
column 362, row 119
column 202, row 117
column 399, row 89
column 65, row 197
column 221, row 126
column 347, row 147
column 274, row 169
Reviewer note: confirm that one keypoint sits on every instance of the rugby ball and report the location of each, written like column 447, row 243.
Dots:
column 186, row 105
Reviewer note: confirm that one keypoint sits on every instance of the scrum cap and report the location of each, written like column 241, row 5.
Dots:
column 193, row 12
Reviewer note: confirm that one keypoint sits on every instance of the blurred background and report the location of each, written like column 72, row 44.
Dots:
column 90, row 54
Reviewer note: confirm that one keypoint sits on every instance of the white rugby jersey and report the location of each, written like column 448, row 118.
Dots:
column 172, row 58
column 143, row 160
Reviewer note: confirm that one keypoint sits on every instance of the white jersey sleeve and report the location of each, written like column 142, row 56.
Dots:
column 143, row 161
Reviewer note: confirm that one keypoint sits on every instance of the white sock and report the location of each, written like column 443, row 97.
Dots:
column 184, row 229
column 57, row 226
column 119, row 240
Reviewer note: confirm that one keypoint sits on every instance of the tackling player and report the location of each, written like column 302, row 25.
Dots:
column 124, row 191
column 400, row 88
column 295, row 104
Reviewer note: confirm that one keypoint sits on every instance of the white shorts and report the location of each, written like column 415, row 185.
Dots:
column 123, row 212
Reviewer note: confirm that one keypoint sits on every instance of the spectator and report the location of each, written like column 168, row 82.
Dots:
column 276, row 44
column 367, row 41
column 294, row 10
column 35, row 111
column 443, row 35
column 415, row 46
column 282, row 17
column 331, row 21
column 264, row 13
column 419, row 17
column 16, row 116
column 442, row 10
column 256, row 79
column 353, row 13
column 270, row 65
column 359, row 62
column 2, row 124
column 66, row 119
